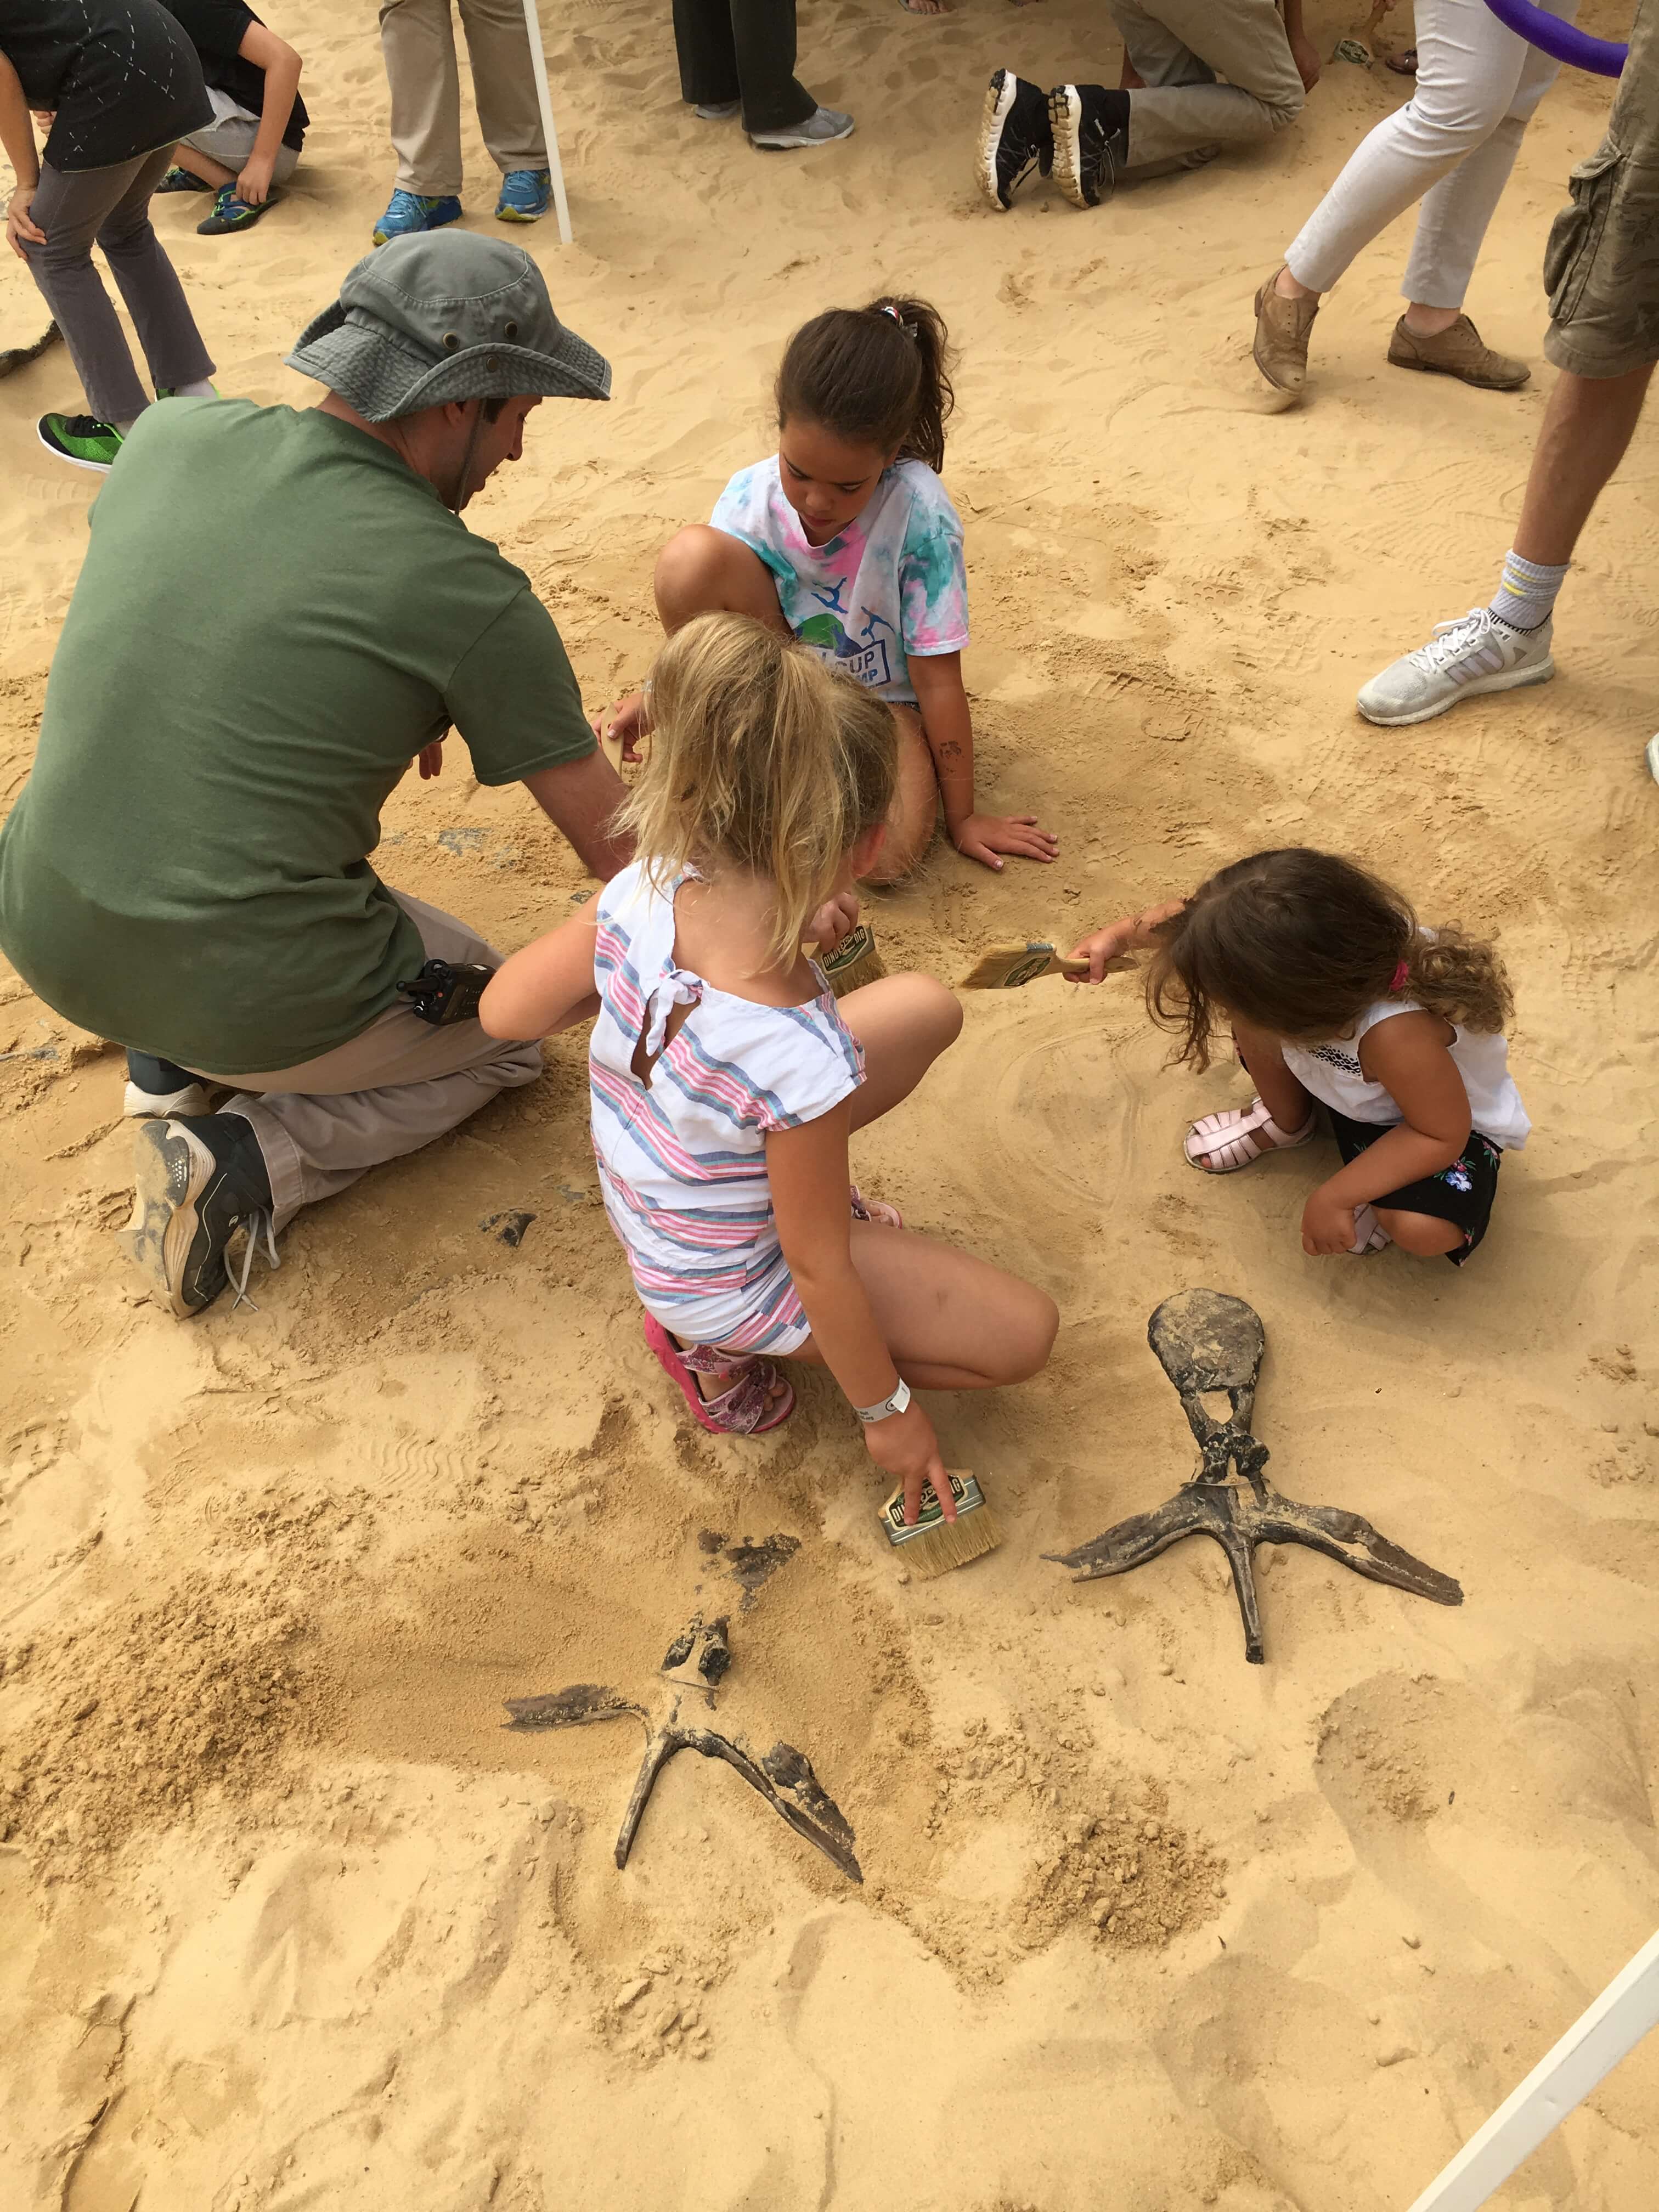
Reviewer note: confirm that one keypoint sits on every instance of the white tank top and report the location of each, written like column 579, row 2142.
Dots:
column 1333, row 1073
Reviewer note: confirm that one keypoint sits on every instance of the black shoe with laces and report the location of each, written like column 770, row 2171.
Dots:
column 1014, row 137
column 201, row 1177
column 1091, row 128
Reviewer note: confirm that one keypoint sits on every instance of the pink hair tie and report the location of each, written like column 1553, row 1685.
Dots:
column 1401, row 975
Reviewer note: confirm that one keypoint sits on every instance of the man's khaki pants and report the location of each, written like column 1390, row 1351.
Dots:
column 387, row 1092
column 1180, row 47
column 418, row 39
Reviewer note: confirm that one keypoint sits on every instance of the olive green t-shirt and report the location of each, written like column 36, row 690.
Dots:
column 275, row 614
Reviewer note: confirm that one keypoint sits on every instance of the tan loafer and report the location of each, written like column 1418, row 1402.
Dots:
column 1280, row 347
column 1459, row 351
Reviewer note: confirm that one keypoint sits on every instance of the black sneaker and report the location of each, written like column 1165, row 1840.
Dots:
column 1014, row 137
column 1090, row 151
column 200, row 1178
column 183, row 180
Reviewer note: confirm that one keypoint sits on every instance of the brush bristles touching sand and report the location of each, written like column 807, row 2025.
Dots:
column 1005, row 967
column 933, row 1545
column 854, row 961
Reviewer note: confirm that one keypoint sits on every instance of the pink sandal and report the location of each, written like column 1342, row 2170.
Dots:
column 866, row 1209
column 1221, row 1144
column 747, row 1409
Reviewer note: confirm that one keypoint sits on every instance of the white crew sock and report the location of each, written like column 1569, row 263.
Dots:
column 1526, row 592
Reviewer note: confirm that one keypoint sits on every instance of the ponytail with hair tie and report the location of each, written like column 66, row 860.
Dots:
column 848, row 371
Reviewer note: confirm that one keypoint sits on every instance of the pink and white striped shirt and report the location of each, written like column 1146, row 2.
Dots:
column 681, row 1155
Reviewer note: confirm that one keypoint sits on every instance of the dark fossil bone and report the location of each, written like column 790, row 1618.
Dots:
column 783, row 1775
column 1206, row 1342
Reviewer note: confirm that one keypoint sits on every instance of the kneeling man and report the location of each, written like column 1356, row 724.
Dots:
column 278, row 611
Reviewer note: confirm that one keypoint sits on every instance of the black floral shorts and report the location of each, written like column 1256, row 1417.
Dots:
column 1462, row 1194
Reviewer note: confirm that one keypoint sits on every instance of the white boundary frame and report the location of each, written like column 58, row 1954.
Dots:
column 533, row 24
column 1627, row 2010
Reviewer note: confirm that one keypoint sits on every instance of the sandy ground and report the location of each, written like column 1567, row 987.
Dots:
column 286, row 1919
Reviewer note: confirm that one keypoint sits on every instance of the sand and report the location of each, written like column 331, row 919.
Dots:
column 287, row 1919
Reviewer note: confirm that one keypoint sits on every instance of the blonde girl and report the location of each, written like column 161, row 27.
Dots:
column 727, row 1080
column 846, row 539
column 1336, row 996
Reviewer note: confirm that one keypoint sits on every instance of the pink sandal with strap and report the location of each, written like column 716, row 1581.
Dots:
column 871, row 1209
column 747, row 1408
column 1221, row 1144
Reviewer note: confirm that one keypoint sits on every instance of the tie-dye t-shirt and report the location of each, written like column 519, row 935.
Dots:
column 891, row 584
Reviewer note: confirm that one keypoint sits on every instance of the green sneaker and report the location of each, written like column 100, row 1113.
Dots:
column 80, row 439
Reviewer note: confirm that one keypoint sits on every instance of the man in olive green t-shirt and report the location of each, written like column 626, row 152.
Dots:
column 277, row 613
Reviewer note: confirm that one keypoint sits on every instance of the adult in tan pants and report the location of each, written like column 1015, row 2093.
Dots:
column 1198, row 75
column 417, row 39
column 187, row 870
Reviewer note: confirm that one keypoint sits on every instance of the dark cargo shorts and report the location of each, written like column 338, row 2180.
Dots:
column 1601, row 266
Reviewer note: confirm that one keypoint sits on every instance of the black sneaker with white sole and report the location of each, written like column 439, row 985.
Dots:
column 201, row 1178
column 1092, row 140
column 1014, row 137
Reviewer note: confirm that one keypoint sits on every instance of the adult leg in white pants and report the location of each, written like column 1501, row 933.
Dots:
column 1452, row 146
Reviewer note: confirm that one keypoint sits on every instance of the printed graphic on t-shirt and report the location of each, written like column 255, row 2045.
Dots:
column 1332, row 1058
column 864, row 655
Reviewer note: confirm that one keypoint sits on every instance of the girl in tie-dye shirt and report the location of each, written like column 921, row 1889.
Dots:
column 846, row 538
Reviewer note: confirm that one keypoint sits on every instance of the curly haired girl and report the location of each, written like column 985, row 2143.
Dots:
column 1336, row 995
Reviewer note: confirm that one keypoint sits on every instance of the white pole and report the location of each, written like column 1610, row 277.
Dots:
column 532, row 25
column 1623, row 2013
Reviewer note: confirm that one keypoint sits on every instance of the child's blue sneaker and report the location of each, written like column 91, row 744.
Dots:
column 231, row 212
column 407, row 212
column 527, row 195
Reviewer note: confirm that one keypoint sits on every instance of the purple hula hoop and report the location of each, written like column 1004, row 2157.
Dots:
column 1564, row 41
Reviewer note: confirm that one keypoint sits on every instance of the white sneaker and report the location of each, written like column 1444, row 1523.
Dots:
column 1475, row 653
column 152, row 1105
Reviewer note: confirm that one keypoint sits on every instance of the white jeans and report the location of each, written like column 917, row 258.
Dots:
column 1452, row 146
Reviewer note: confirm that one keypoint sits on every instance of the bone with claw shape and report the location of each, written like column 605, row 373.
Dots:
column 1207, row 1341
column 783, row 1775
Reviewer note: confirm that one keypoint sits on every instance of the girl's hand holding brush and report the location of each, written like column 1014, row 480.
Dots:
column 904, row 1447
column 1135, row 933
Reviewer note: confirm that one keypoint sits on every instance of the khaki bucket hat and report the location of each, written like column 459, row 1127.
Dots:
column 444, row 315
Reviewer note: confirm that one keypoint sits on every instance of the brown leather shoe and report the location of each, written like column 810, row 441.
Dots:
column 1458, row 351
column 1280, row 348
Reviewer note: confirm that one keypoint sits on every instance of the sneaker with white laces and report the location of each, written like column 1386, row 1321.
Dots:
column 1475, row 653
column 1015, row 137
column 201, row 1179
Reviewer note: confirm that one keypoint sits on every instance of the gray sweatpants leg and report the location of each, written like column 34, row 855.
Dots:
column 111, row 207
column 387, row 1092
column 1180, row 47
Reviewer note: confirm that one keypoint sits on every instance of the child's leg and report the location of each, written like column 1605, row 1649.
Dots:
column 187, row 156
column 71, row 207
column 1277, row 1088
column 915, row 811
column 703, row 571
column 149, row 283
column 1420, row 1234
column 952, row 1321
column 904, row 1024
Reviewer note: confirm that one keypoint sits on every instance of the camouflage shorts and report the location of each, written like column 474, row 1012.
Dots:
column 1601, row 266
